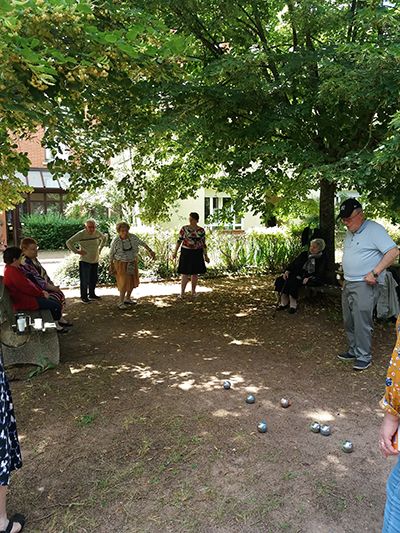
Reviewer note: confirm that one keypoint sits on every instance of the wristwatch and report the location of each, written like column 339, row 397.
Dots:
column 375, row 274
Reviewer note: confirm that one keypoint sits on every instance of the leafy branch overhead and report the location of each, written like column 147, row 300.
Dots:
column 266, row 100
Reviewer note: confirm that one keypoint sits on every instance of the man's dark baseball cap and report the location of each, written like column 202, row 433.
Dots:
column 348, row 207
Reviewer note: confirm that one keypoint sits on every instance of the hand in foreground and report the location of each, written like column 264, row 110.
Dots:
column 46, row 294
column 305, row 281
column 206, row 258
column 389, row 427
column 174, row 256
column 286, row 274
column 369, row 279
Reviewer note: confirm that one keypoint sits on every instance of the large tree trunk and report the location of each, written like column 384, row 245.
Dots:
column 327, row 223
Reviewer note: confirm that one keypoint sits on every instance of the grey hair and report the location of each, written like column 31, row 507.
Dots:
column 90, row 220
column 320, row 243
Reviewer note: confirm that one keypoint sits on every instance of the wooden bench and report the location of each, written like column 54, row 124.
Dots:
column 331, row 291
column 34, row 347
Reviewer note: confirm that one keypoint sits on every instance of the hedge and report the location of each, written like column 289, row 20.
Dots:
column 51, row 231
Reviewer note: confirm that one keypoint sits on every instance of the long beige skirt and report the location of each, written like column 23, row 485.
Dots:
column 126, row 281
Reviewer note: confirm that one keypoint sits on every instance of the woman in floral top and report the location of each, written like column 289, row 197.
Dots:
column 390, row 425
column 192, row 238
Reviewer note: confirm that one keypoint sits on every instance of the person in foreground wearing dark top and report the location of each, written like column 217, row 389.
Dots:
column 307, row 269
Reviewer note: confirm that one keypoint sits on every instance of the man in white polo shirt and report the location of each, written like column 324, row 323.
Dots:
column 367, row 252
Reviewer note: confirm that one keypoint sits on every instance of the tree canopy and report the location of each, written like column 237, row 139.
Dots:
column 266, row 100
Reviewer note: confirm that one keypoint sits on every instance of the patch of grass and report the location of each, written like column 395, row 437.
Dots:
column 328, row 493
column 86, row 420
column 144, row 448
column 287, row 476
column 182, row 495
column 116, row 481
column 132, row 420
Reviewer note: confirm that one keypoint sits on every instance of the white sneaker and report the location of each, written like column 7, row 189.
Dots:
column 122, row 306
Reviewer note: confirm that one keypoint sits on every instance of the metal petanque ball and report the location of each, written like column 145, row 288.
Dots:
column 251, row 399
column 325, row 430
column 285, row 403
column 227, row 385
column 347, row 446
column 262, row 426
column 315, row 427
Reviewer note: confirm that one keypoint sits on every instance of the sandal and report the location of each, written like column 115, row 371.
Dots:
column 15, row 519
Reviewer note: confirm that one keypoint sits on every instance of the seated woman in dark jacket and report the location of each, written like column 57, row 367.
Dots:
column 307, row 269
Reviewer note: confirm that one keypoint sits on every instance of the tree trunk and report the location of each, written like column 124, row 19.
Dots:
column 327, row 224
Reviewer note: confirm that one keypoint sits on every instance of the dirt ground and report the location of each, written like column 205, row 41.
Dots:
column 134, row 432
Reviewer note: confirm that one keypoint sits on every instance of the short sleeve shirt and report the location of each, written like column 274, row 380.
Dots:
column 125, row 250
column 192, row 238
column 364, row 249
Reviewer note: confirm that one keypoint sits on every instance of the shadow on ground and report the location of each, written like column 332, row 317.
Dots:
column 133, row 432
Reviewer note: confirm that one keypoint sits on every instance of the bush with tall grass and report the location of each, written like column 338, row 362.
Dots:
column 252, row 252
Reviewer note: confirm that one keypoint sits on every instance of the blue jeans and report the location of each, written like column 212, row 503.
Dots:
column 391, row 520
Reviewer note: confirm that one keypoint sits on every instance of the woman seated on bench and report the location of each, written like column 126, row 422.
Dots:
column 36, row 273
column 307, row 269
column 24, row 295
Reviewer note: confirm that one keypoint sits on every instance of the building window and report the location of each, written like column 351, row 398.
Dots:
column 214, row 203
column 44, row 202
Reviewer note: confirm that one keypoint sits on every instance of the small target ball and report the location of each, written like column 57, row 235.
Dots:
column 227, row 385
column 285, row 403
column 250, row 398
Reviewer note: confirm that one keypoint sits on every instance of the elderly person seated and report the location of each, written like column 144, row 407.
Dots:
column 124, row 251
column 36, row 273
column 25, row 295
column 307, row 269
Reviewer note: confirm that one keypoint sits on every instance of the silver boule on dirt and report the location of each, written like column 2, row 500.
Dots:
column 347, row 446
column 325, row 430
column 285, row 403
column 262, row 426
column 315, row 427
column 251, row 398
column 227, row 384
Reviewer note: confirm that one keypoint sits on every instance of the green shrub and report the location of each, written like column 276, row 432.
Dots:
column 249, row 253
column 51, row 231
column 257, row 252
column 67, row 275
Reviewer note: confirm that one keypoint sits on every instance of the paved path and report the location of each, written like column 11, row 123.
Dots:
column 50, row 259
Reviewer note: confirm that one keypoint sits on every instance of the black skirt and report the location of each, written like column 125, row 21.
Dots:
column 10, row 453
column 191, row 262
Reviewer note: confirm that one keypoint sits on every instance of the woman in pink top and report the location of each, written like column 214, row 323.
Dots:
column 192, row 238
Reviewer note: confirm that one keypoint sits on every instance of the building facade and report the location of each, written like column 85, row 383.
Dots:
column 48, row 195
